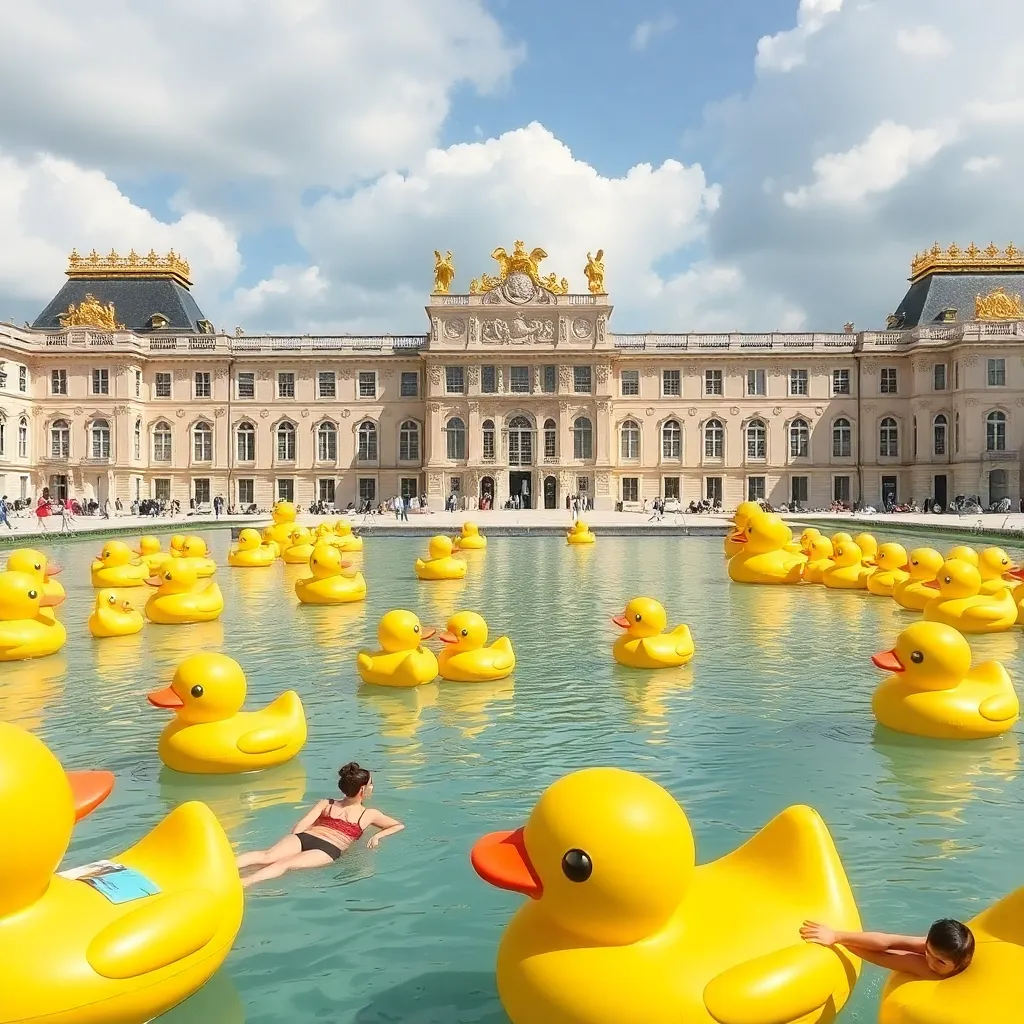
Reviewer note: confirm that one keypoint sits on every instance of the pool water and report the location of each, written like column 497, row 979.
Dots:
column 774, row 710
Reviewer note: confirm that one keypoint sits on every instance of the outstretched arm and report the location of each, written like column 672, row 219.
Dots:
column 388, row 827
column 309, row 818
column 883, row 949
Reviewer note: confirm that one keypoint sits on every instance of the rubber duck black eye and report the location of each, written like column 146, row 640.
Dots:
column 39, row 567
column 577, row 866
column 415, row 629
column 949, row 579
column 167, row 576
column 638, row 617
column 917, row 657
column 915, row 563
column 33, row 594
column 465, row 632
column 196, row 691
column 111, row 600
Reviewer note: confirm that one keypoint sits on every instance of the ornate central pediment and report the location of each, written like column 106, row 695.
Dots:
column 518, row 279
column 518, row 330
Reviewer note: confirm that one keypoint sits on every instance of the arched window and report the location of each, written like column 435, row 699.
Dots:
column 137, row 436
column 757, row 440
column 162, row 442
column 455, row 430
column 100, row 435
column 327, row 442
column 714, row 440
column 366, row 438
column 995, row 432
column 488, row 432
column 799, row 439
column 520, row 441
column 582, row 438
column 672, row 440
column 888, row 438
column 409, row 442
column 939, row 428
column 60, row 440
column 629, row 438
column 202, row 443
column 23, row 438
column 286, row 442
column 842, row 439
column 245, row 442
column 550, row 439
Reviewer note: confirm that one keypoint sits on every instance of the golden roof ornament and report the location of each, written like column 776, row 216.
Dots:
column 90, row 312
column 990, row 260
column 113, row 266
column 998, row 305
column 518, row 262
column 594, row 271
column 444, row 272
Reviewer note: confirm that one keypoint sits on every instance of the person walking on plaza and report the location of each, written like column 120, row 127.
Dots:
column 66, row 518
column 218, row 507
column 4, row 511
column 403, row 504
column 399, row 506
column 43, row 509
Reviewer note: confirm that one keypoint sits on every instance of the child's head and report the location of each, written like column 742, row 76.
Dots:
column 949, row 947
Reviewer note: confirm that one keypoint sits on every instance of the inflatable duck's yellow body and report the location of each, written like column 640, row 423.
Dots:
column 36, row 564
column 470, row 537
column 645, row 643
column 195, row 553
column 72, row 956
column 964, row 553
column 819, row 558
column 868, row 547
column 251, row 552
column 180, row 599
column 283, row 514
column 998, row 571
column 299, row 549
column 763, row 557
column 116, row 567
column 211, row 735
column 579, row 533
column 935, row 692
column 150, row 554
column 24, row 631
column 440, row 565
column 467, row 658
column 913, row 593
column 890, row 570
column 402, row 661
column 329, row 584
column 608, row 860
column 848, row 570
column 114, row 616
column 959, row 602
column 345, row 538
column 740, row 518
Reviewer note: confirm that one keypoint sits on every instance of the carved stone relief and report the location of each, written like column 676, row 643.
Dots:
column 181, row 374
column 345, row 413
column 474, row 329
column 433, row 328
column 602, row 373
column 220, row 411
column 565, row 377
column 518, row 289
column 474, row 376
column 602, row 323
column 602, row 483
column 582, row 328
column 122, row 410
column 180, row 413
column 264, row 413
column 304, row 414
column 563, row 332
column 518, row 331
column 265, row 375
column 435, row 375
column 454, row 329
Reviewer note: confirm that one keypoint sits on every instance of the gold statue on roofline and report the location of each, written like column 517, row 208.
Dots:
column 444, row 272
column 518, row 262
column 998, row 305
column 91, row 313
column 594, row 272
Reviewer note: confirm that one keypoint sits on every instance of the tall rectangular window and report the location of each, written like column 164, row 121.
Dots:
column 755, row 488
column 326, row 384
column 841, row 489
column 798, row 382
column 285, row 489
column 162, row 385
column 713, row 489
column 201, row 490
column 101, row 382
column 286, row 385
column 629, row 381
column 630, row 488
column 671, row 384
column 519, row 380
column 840, row 382
column 23, row 378
column 325, row 490
column 246, row 493
column 549, row 378
column 489, row 380
column 939, row 377
column 581, row 383
column 162, row 489
column 203, row 388
column 798, row 489
column 997, row 373
column 712, row 382
column 410, row 384
column 138, row 383
column 58, row 382
column 247, row 385
column 367, row 384
column 455, row 380
column 672, row 488
column 888, row 381
column 755, row 382
column 367, row 489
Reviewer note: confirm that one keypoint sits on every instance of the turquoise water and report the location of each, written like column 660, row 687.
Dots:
column 774, row 710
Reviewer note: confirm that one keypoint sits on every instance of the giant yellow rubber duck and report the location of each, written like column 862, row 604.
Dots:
column 848, row 570
column 807, row 537
column 250, row 552
column 210, row 734
column 69, row 953
column 890, row 569
column 116, row 566
column 868, row 547
column 440, row 565
column 114, row 616
column 936, row 693
column 959, row 602
column 819, row 558
column 36, row 564
column 990, row 990
column 283, row 514
column 470, row 537
column 763, row 557
column 180, row 599
column 467, row 658
column 149, row 552
column 402, row 660
column 645, row 644
column 329, row 583
column 740, row 518
column 608, row 861
column 580, row 533
column 299, row 548
column 195, row 552
column 998, row 571
column 923, row 566
column 174, row 545
column 964, row 553
column 345, row 538
column 24, row 631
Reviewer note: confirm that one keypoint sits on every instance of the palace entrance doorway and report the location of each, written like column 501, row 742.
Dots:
column 521, row 484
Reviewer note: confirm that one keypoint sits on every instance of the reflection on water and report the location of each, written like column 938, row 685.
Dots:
column 471, row 707
column 651, row 694
column 28, row 688
column 217, row 1002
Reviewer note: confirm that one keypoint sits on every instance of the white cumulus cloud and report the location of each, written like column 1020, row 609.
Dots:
column 981, row 164
column 923, row 41
column 648, row 30
column 788, row 49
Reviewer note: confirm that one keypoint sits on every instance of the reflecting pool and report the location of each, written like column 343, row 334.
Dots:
column 773, row 710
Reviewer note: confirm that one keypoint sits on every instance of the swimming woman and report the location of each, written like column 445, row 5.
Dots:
column 326, row 832
column 945, row 951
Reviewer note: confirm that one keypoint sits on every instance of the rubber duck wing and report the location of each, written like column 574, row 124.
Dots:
column 992, row 673
column 789, row 984
column 501, row 651
column 279, row 723
column 683, row 640
column 1000, row 708
column 983, row 612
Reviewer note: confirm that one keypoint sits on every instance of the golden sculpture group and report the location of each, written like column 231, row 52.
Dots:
column 90, row 312
column 152, row 265
column 998, row 305
column 518, row 262
column 991, row 259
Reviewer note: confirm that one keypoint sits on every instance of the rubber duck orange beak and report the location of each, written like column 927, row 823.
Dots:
column 500, row 859
column 1017, row 572
column 153, row 581
column 89, row 790
column 49, row 601
column 126, row 606
column 932, row 584
column 427, row 633
column 888, row 661
column 739, row 537
column 165, row 698
column 447, row 638
column 621, row 620
column 52, row 569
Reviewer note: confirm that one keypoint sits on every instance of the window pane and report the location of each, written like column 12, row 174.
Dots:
column 455, row 380
column 247, row 385
column 549, row 378
column 581, row 380
column 326, row 385
column 519, row 380
column 286, row 385
column 671, row 383
column 630, row 380
column 367, row 384
column 410, row 386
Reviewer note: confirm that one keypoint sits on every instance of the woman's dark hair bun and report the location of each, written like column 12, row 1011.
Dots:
column 352, row 778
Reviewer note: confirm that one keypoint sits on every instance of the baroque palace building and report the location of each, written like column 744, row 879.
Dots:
column 122, row 388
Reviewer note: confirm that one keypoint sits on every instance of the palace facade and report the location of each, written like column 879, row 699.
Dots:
column 122, row 388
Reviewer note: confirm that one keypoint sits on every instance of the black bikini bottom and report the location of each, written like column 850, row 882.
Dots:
column 307, row 841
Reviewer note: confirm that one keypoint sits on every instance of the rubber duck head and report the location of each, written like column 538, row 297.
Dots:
column 764, row 532
column 35, row 563
column 924, row 563
column 249, row 539
column 470, row 530
column 744, row 510
column 327, row 560
column 115, row 553
column 175, row 544
column 579, row 526
column 820, row 548
column 324, row 530
column 607, row 854
column 174, row 578
column 440, row 547
column 149, row 545
column 841, row 538
column 109, row 600
column 400, row 630
column 39, row 804
column 964, row 553
column 642, row 617
column 194, row 547
column 299, row 536
column 343, row 528
column 205, row 688
column 846, row 554
column 930, row 655
column 956, row 579
column 283, row 512
column 994, row 563
column 891, row 556
column 466, row 631
column 21, row 596
column 868, row 546
column 806, row 537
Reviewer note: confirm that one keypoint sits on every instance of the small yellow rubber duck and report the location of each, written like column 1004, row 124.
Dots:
column 807, row 537
column 960, row 603
column 114, row 616
column 179, row 599
column 923, row 566
column 251, row 552
column 345, row 538
column 283, row 514
column 608, row 861
column 819, row 559
column 890, row 569
column 36, row 564
column 740, row 518
column 81, row 957
column 329, row 583
column 440, row 565
column 174, row 545
column 470, row 537
column 936, row 693
column 402, row 660
column 299, row 548
column 115, row 566
column 848, row 570
column 466, row 658
column 210, row 734
column 24, row 632
column 580, row 533
column 964, row 553
column 763, row 557
column 868, row 547
column 997, row 571
column 150, row 553
column 195, row 552
column 645, row 643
